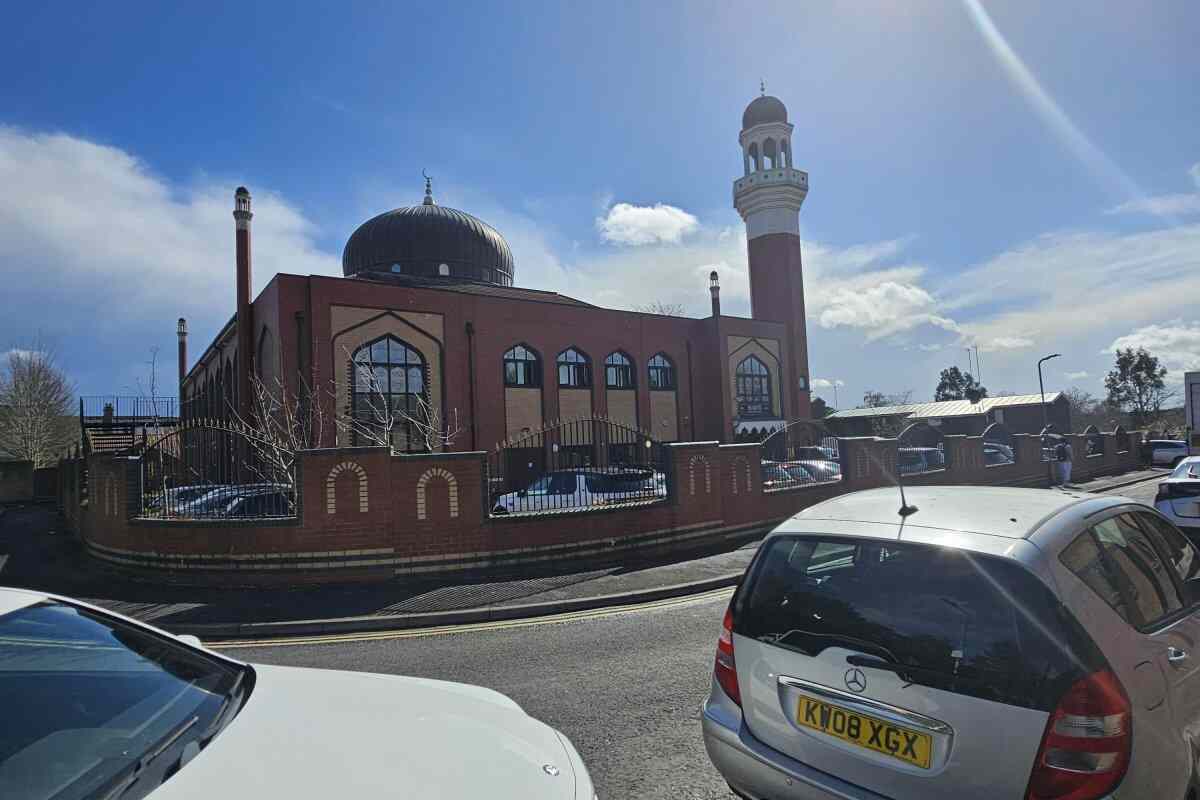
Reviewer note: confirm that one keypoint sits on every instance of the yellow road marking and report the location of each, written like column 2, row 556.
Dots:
column 448, row 630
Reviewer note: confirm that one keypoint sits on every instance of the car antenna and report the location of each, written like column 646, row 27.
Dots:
column 905, row 509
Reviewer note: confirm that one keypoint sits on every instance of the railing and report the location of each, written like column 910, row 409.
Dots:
column 801, row 453
column 212, row 471
column 123, row 410
column 581, row 464
column 920, row 448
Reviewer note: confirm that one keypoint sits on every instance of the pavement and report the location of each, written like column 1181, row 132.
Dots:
column 33, row 554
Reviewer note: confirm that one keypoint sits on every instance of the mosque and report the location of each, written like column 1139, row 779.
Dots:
column 430, row 306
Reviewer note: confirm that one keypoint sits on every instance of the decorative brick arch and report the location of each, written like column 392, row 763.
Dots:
column 692, row 474
column 733, row 473
column 331, row 486
column 451, row 481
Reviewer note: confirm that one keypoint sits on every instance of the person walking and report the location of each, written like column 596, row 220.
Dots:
column 1065, row 458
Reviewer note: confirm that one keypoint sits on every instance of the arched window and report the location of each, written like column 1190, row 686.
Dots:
column 522, row 367
column 618, row 371
column 785, row 153
column 753, row 388
column 770, row 154
column 662, row 372
column 574, row 369
column 754, row 161
column 389, row 390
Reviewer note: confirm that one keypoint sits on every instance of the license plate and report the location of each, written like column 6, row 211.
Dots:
column 866, row 731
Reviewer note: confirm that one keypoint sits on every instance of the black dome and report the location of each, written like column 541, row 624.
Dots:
column 418, row 240
column 764, row 109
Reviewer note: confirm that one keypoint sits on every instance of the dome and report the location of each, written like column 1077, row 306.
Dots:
column 763, row 110
column 429, row 241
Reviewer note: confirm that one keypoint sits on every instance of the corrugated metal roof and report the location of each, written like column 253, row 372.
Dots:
column 946, row 408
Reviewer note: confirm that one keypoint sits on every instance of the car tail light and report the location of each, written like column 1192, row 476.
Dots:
column 724, row 668
column 1085, row 749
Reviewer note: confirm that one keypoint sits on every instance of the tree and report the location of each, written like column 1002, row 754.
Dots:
column 35, row 405
column 661, row 307
column 1136, row 385
column 874, row 399
column 821, row 409
column 954, row 384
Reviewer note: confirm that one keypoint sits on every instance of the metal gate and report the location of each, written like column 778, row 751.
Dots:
column 211, row 470
column 800, row 453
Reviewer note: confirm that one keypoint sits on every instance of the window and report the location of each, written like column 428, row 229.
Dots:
column 753, row 388
column 574, row 369
column 1179, row 551
column 389, row 389
column 522, row 367
column 946, row 611
column 1117, row 561
column 618, row 371
column 662, row 373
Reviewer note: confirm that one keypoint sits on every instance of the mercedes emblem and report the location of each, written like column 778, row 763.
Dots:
column 856, row 680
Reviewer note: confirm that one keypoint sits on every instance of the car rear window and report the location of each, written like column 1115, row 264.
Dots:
column 974, row 625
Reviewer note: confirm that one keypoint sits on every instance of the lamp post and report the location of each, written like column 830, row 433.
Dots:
column 1045, row 417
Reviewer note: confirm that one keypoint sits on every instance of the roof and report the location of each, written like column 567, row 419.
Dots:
column 992, row 510
column 762, row 110
column 470, row 287
column 946, row 408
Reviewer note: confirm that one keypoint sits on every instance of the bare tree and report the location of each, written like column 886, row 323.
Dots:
column 35, row 405
column 381, row 420
column 661, row 307
column 281, row 424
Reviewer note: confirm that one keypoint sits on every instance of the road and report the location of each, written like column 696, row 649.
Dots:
column 625, row 687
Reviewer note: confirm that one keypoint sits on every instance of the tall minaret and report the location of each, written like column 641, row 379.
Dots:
column 769, row 196
column 245, row 311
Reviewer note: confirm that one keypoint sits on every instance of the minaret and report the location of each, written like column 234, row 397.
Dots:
column 245, row 311
column 768, row 196
column 181, row 331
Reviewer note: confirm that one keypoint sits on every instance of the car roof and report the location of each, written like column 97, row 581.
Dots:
column 995, row 511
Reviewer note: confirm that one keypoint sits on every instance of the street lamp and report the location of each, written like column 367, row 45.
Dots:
column 1045, row 418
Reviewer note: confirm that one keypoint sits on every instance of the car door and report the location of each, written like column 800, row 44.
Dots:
column 1144, row 628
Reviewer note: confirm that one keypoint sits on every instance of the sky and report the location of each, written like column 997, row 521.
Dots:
column 1022, row 177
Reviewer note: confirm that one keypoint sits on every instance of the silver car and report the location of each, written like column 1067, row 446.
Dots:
column 1178, row 497
column 980, row 642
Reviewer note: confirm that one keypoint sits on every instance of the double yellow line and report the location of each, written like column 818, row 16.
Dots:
column 448, row 630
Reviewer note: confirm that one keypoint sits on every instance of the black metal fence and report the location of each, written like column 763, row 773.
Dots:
column 801, row 453
column 579, row 464
column 214, row 471
column 96, row 409
column 999, row 446
column 920, row 448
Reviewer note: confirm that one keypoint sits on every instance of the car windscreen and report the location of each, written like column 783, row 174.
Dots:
column 86, row 701
column 971, row 624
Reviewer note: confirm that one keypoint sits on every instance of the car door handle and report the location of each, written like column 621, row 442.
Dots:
column 1175, row 655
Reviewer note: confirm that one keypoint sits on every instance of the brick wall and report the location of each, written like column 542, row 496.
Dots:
column 16, row 481
column 365, row 514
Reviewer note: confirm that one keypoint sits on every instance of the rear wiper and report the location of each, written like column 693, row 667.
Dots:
column 133, row 773
column 904, row 670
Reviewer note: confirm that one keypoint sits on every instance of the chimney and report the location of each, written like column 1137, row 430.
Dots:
column 245, row 312
column 714, row 288
column 181, row 329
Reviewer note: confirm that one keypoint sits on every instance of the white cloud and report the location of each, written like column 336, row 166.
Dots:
column 1076, row 376
column 1166, row 205
column 1176, row 344
column 881, row 308
column 1008, row 343
column 824, row 383
column 625, row 223
column 118, row 253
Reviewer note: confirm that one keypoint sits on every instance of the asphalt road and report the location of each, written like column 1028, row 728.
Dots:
column 625, row 687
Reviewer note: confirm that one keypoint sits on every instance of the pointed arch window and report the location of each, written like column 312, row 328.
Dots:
column 753, row 381
column 661, row 372
column 574, row 369
column 389, row 391
column 618, row 371
column 522, row 367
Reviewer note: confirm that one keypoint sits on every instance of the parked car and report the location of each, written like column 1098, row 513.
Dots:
column 177, row 496
column 816, row 453
column 251, row 500
column 995, row 454
column 910, row 460
column 97, row 705
column 583, row 487
column 984, row 642
column 1168, row 452
column 775, row 476
column 1179, row 497
column 813, row 471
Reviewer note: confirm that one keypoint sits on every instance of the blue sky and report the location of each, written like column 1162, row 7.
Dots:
column 1031, row 189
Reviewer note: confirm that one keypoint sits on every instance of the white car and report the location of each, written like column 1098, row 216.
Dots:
column 1179, row 497
column 1168, row 452
column 97, row 706
column 583, row 487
